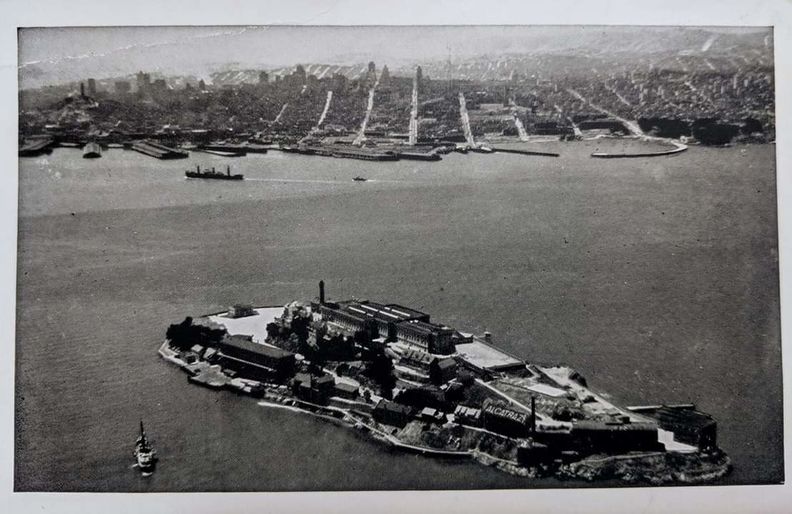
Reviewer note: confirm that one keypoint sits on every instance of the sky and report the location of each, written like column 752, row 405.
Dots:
column 109, row 51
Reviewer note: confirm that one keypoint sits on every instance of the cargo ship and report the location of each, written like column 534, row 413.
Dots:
column 92, row 151
column 213, row 174
column 145, row 454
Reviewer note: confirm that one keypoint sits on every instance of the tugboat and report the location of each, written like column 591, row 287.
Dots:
column 360, row 179
column 213, row 174
column 145, row 454
column 92, row 151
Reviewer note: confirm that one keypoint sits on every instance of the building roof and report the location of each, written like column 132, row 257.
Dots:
column 391, row 313
column 469, row 412
column 393, row 407
column 485, row 356
column 612, row 427
column 344, row 309
column 244, row 343
column 690, row 417
column 324, row 379
column 343, row 386
column 424, row 327
column 406, row 311
column 302, row 378
column 448, row 362
column 418, row 356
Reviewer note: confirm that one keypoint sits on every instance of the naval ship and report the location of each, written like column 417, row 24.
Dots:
column 145, row 454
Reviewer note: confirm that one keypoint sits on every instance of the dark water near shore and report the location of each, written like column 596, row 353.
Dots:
column 656, row 278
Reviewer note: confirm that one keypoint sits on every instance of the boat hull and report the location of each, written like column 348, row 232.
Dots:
column 211, row 176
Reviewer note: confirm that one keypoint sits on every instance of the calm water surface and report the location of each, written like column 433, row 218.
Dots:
column 656, row 278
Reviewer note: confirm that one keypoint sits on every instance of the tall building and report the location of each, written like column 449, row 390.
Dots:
column 339, row 82
column 419, row 78
column 263, row 77
column 371, row 74
column 299, row 74
column 384, row 77
column 202, row 85
column 143, row 81
column 92, row 87
column 122, row 87
column 159, row 85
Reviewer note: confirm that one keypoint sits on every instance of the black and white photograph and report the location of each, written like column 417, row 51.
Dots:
column 336, row 257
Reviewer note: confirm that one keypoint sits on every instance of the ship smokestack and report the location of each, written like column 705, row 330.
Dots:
column 321, row 292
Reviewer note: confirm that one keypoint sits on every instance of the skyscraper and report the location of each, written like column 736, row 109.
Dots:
column 384, row 77
column 122, row 87
column 371, row 74
column 299, row 74
column 143, row 81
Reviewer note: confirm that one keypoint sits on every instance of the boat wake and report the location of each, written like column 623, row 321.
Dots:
column 294, row 180
column 314, row 181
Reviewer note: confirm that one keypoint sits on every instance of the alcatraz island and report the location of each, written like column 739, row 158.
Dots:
column 411, row 383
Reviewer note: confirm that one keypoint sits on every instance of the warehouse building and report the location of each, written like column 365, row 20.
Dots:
column 240, row 353
column 688, row 425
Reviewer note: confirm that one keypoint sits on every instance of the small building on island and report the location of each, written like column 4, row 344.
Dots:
column 465, row 415
column 240, row 310
column 346, row 390
column 314, row 389
column 688, row 425
column 591, row 436
column 443, row 370
column 502, row 419
column 390, row 413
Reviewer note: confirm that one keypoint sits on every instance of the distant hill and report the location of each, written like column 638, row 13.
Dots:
column 444, row 52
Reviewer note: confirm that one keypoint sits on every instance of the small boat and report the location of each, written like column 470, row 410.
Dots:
column 92, row 151
column 360, row 179
column 213, row 174
column 145, row 454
